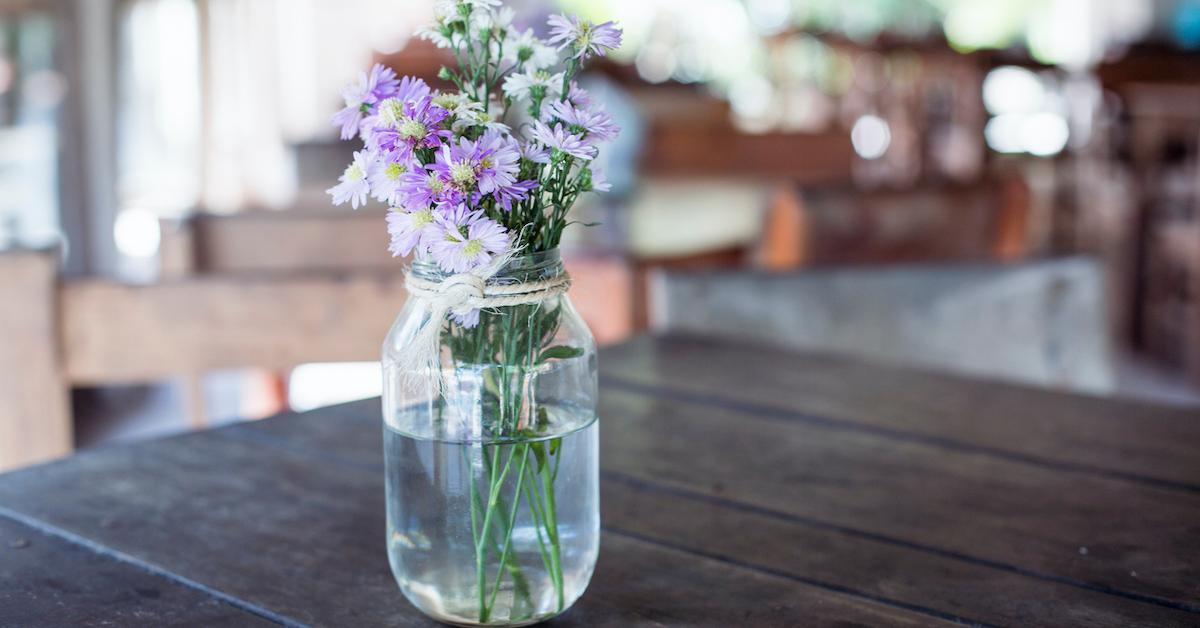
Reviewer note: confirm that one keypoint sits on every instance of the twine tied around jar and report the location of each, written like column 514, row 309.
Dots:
column 461, row 294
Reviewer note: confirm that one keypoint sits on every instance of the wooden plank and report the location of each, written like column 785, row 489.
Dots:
column 1112, row 437
column 1096, row 532
column 691, row 149
column 314, row 530
column 122, row 333
column 1041, row 324
column 697, row 517
column 35, row 417
column 48, row 582
column 970, row 592
column 275, row 241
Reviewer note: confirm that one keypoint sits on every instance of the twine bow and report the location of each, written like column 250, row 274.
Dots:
column 462, row 294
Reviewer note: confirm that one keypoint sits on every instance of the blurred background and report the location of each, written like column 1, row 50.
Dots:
column 990, row 188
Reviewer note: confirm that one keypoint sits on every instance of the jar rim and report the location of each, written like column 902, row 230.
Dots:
column 543, row 263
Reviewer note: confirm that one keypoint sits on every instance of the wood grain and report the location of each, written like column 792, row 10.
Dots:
column 122, row 333
column 709, row 514
column 719, row 508
column 272, row 241
column 1098, row 532
column 1134, row 440
column 35, row 418
column 316, row 531
column 46, row 581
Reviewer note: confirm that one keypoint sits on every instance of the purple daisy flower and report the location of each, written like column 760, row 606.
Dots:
column 409, row 229
column 600, row 182
column 594, row 124
column 386, row 177
column 468, row 319
column 561, row 139
column 425, row 187
column 499, row 161
column 463, row 247
column 353, row 185
column 532, row 151
column 579, row 96
column 407, row 125
column 361, row 97
column 505, row 196
column 459, row 165
column 583, row 37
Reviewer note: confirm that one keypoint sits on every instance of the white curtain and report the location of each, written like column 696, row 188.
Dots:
column 273, row 70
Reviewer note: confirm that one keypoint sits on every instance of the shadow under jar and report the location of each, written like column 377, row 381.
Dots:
column 492, row 473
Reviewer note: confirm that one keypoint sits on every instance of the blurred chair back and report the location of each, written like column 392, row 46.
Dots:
column 281, row 295
column 946, row 223
column 691, row 224
column 264, row 242
column 1041, row 323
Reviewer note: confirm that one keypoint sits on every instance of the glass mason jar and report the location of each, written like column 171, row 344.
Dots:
column 492, row 472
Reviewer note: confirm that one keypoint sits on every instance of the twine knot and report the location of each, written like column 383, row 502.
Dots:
column 459, row 290
column 460, row 294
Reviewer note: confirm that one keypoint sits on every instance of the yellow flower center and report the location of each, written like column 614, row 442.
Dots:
column 446, row 101
column 435, row 185
column 422, row 218
column 391, row 111
column 394, row 172
column 585, row 35
column 355, row 173
column 473, row 247
column 463, row 175
column 411, row 129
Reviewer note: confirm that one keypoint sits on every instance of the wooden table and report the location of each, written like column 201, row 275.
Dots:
column 741, row 487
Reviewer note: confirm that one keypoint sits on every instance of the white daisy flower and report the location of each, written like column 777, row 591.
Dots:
column 526, row 48
column 522, row 85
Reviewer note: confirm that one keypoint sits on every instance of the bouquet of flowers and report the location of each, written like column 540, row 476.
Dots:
column 480, row 181
column 495, row 165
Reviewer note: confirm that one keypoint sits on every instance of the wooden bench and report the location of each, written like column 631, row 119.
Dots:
column 1042, row 323
column 269, row 290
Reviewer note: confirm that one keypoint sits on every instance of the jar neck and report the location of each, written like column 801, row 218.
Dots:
column 532, row 267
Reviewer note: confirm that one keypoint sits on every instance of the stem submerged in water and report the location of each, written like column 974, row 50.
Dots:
column 509, row 345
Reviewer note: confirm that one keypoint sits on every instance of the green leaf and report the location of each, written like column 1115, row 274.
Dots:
column 554, row 446
column 560, row 353
column 539, row 452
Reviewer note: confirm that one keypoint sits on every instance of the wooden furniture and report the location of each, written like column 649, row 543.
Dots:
column 817, row 226
column 741, row 486
column 33, row 406
column 1155, row 134
column 259, row 290
column 91, row 332
column 1042, row 323
column 1164, row 129
column 266, row 244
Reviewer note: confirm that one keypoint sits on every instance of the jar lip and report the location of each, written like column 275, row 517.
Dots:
column 548, row 263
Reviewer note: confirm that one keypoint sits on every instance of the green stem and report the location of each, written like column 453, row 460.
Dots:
column 480, row 545
column 545, row 517
column 552, row 532
column 512, row 522
column 520, row 583
column 534, row 499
